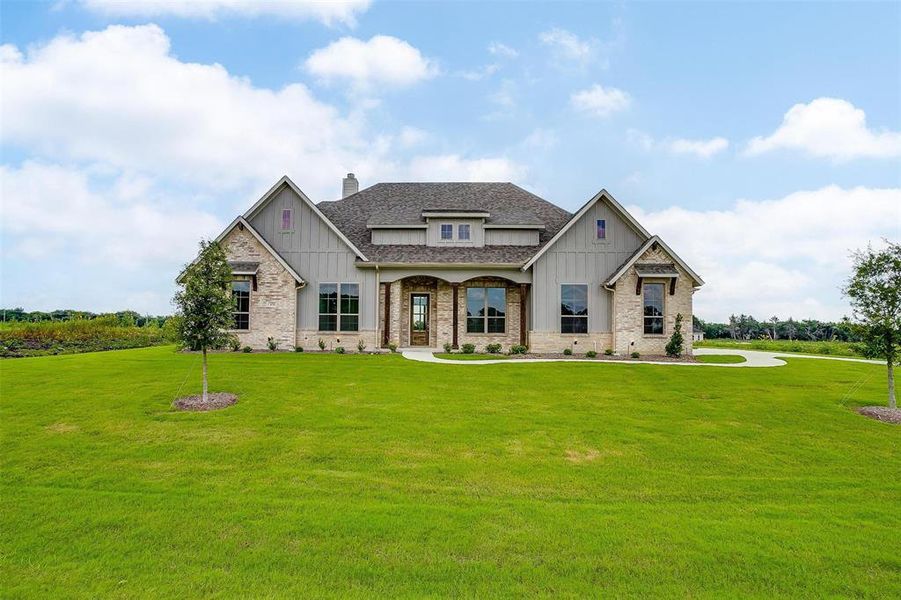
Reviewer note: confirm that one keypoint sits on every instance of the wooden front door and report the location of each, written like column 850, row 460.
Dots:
column 419, row 319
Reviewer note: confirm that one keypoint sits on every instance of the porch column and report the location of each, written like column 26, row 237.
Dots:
column 523, row 293
column 454, row 287
column 386, row 333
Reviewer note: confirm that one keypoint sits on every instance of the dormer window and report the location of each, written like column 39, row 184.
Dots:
column 463, row 231
column 447, row 231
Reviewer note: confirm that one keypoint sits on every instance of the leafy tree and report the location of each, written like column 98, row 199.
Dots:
column 874, row 289
column 205, row 302
column 676, row 343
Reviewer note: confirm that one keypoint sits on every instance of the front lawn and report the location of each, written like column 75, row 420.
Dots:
column 826, row 348
column 360, row 476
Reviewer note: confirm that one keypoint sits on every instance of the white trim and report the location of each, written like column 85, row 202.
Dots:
column 263, row 243
column 538, row 226
column 560, row 308
column 285, row 180
column 644, row 248
column 397, row 226
column 617, row 207
column 338, row 314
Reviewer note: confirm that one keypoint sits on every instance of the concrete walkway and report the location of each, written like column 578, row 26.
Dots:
column 753, row 358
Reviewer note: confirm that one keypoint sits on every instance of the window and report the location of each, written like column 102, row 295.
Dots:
column 574, row 308
column 602, row 229
column 653, row 308
column 287, row 219
column 447, row 231
column 339, row 312
column 486, row 310
column 463, row 231
column 241, row 298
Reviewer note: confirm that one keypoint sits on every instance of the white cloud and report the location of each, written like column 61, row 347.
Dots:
column 331, row 12
column 830, row 128
column 119, row 98
column 786, row 256
column 701, row 148
column 452, row 167
column 480, row 73
column 502, row 50
column 568, row 45
column 411, row 136
column 600, row 101
column 383, row 60
column 542, row 139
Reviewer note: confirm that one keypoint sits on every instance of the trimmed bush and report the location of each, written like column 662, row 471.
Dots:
column 493, row 348
column 392, row 347
column 468, row 348
column 518, row 349
column 591, row 354
column 448, row 347
column 298, row 348
column 676, row 343
column 339, row 350
column 635, row 355
column 246, row 349
column 361, row 345
column 272, row 343
column 608, row 352
column 321, row 344
column 567, row 352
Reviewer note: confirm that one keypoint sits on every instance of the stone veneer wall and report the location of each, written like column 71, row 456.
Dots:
column 273, row 304
column 309, row 339
column 552, row 341
column 628, row 309
column 480, row 340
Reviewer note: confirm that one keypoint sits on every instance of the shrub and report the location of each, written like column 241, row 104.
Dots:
column 361, row 345
column 448, row 347
column 591, row 354
column 469, row 348
column 339, row 350
column 272, row 343
column 635, row 355
column 321, row 343
column 676, row 343
column 392, row 347
column 82, row 335
column 235, row 343
column 567, row 352
column 298, row 348
column 493, row 348
column 608, row 352
column 518, row 349
column 247, row 349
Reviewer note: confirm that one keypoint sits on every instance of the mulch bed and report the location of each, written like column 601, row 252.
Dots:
column 215, row 401
column 600, row 357
column 882, row 413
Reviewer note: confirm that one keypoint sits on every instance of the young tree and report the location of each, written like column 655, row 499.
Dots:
column 775, row 321
column 874, row 289
column 205, row 305
column 676, row 343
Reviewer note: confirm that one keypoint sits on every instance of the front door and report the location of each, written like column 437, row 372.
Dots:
column 419, row 319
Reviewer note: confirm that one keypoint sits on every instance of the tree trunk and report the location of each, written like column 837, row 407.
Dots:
column 891, row 384
column 204, row 377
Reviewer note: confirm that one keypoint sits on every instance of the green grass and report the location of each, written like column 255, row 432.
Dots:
column 361, row 476
column 796, row 346
column 720, row 359
column 460, row 356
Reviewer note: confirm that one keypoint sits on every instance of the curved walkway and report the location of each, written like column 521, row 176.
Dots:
column 753, row 358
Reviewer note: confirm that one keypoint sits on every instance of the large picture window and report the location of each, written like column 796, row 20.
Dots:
column 241, row 298
column 339, row 307
column 486, row 310
column 574, row 308
column 653, row 308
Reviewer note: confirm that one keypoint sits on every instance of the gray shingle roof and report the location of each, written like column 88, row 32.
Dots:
column 403, row 204
column 244, row 267
column 651, row 269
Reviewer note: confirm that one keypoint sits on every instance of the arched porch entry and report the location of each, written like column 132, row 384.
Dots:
column 428, row 311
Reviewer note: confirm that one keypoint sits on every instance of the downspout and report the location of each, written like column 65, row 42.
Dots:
column 378, row 329
column 612, row 290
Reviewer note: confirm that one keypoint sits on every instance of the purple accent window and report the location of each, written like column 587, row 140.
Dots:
column 602, row 229
column 287, row 219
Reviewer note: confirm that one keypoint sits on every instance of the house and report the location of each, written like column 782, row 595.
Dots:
column 428, row 264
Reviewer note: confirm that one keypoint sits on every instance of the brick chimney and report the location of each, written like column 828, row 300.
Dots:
column 350, row 185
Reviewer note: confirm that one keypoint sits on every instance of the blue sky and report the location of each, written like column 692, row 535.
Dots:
column 761, row 140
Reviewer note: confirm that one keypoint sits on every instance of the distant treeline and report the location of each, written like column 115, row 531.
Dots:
column 746, row 327
column 126, row 318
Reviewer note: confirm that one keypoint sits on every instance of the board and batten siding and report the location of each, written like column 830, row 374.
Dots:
column 399, row 237
column 511, row 237
column 316, row 252
column 579, row 257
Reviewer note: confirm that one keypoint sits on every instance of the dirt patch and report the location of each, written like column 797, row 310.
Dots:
column 882, row 413
column 214, row 401
column 575, row 456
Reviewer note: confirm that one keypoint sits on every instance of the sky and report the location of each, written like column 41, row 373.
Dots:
column 762, row 141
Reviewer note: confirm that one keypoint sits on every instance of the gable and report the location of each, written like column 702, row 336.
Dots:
column 654, row 253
